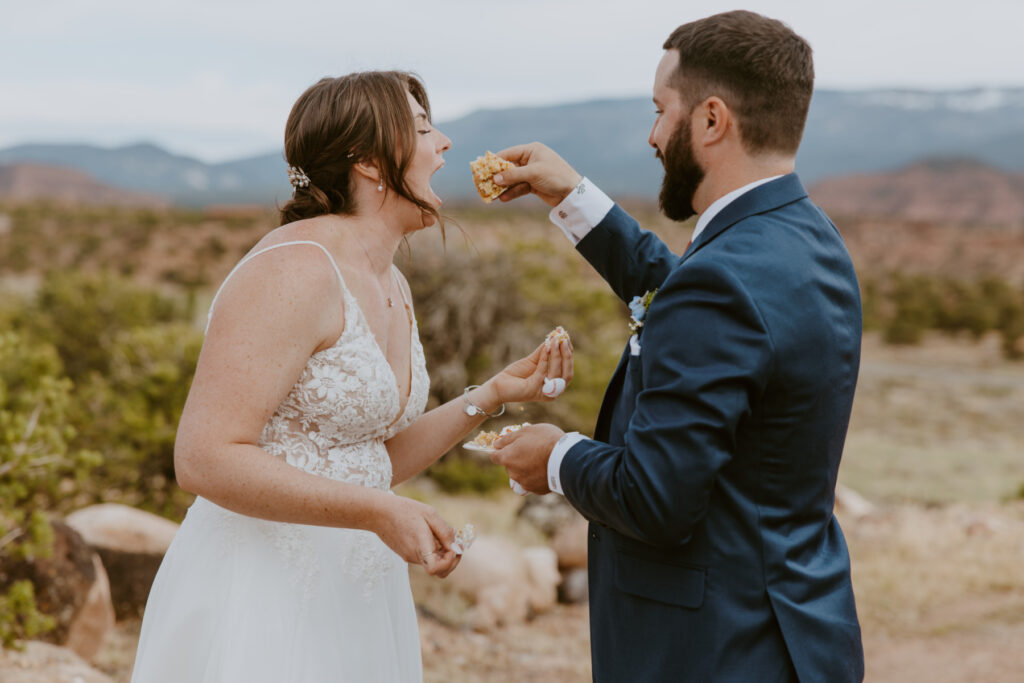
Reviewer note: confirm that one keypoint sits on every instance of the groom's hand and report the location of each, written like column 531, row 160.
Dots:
column 540, row 171
column 524, row 453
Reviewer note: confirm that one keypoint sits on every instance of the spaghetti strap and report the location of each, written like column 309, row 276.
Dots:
column 249, row 257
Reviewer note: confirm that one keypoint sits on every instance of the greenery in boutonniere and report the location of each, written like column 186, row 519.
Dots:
column 638, row 308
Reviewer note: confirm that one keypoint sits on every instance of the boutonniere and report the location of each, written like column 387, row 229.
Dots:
column 638, row 309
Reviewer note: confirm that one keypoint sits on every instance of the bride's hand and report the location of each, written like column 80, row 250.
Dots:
column 523, row 380
column 418, row 534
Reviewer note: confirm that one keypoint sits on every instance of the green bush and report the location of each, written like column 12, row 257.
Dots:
column 458, row 473
column 871, row 304
column 19, row 616
column 131, row 355
column 477, row 312
column 81, row 314
column 37, row 465
column 130, row 414
column 904, row 307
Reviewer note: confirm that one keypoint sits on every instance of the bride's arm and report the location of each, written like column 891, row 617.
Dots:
column 417, row 447
column 271, row 316
column 435, row 433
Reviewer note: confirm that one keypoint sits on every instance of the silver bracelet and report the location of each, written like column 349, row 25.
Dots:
column 472, row 409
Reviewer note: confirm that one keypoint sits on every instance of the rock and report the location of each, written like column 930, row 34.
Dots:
column 95, row 620
column 46, row 663
column 505, row 583
column 852, row 503
column 570, row 544
column 123, row 528
column 575, row 587
column 131, row 544
column 66, row 588
column 547, row 513
column 542, row 572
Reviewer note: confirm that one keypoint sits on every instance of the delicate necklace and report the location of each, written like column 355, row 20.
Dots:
column 391, row 274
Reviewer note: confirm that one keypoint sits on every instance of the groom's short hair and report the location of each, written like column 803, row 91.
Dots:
column 761, row 69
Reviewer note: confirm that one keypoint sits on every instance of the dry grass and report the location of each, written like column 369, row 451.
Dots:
column 940, row 423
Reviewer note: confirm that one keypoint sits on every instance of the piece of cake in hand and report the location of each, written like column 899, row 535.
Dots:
column 557, row 335
column 464, row 538
column 486, row 439
column 484, row 169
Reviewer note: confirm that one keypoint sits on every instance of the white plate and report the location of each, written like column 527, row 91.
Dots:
column 470, row 446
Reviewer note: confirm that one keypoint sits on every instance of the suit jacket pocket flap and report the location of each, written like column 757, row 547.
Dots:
column 669, row 583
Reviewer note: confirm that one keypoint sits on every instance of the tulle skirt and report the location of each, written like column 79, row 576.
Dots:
column 243, row 600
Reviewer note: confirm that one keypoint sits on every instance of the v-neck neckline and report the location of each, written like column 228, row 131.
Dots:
column 402, row 409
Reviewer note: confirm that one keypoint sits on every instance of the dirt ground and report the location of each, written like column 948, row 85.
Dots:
column 940, row 594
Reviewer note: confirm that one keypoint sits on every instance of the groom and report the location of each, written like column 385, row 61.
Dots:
column 710, row 481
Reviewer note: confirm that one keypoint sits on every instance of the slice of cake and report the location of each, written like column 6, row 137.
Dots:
column 484, row 169
column 487, row 439
column 557, row 335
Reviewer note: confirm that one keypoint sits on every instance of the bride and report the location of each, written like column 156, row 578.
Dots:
column 307, row 407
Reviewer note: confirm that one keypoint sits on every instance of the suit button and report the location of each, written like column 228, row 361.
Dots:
column 593, row 535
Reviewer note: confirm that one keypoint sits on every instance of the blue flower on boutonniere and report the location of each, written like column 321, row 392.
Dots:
column 638, row 308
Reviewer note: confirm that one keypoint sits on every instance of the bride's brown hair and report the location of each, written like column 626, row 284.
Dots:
column 339, row 122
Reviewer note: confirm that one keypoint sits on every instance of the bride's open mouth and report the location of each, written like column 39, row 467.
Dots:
column 432, row 193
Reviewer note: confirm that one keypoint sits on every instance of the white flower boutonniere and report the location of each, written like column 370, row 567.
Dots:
column 638, row 308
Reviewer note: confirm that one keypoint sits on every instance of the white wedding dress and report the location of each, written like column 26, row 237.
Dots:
column 244, row 600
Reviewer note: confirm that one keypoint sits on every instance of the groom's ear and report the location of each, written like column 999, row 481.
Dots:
column 714, row 120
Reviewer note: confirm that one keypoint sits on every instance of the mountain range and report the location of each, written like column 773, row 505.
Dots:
column 847, row 133
column 937, row 191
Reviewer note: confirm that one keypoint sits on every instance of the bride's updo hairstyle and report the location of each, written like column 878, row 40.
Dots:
column 339, row 122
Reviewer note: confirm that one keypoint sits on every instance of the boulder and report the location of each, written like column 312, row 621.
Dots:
column 570, row 544
column 95, row 619
column 131, row 544
column 45, row 663
column 543, row 578
column 505, row 583
column 851, row 503
column 547, row 513
column 70, row 586
column 575, row 587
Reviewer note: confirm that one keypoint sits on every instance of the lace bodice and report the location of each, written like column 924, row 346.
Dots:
column 345, row 404
column 333, row 423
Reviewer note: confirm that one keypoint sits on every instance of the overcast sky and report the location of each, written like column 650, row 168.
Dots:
column 215, row 79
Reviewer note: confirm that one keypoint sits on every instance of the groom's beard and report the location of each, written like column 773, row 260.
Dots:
column 683, row 175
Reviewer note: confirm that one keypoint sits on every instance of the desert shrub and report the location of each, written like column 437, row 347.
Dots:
column 915, row 304
column 477, row 312
column 904, row 307
column 130, row 414
column 20, row 618
column 1011, row 329
column 131, row 357
column 458, row 473
column 871, row 304
column 81, row 314
column 37, row 466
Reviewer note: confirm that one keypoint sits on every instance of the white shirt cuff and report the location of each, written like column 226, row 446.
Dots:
column 561, row 447
column 581, row 211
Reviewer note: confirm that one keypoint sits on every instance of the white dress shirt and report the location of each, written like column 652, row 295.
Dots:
column 577, row 215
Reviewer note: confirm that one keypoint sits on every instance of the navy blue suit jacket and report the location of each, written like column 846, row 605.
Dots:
column 714, row 553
